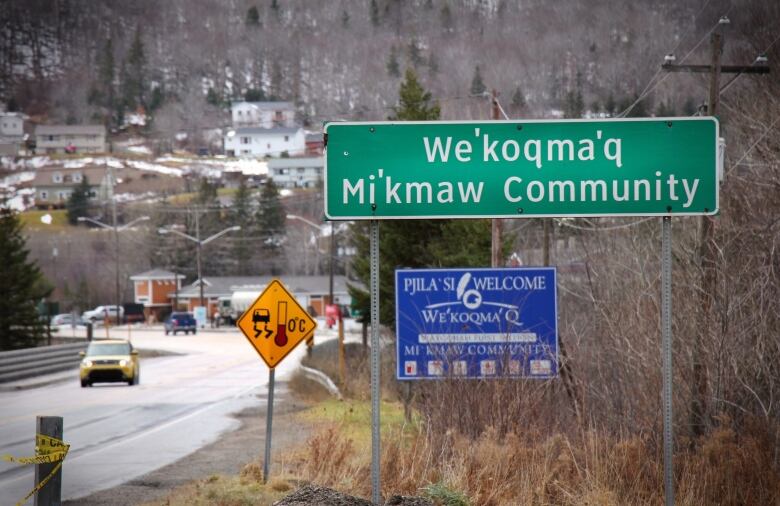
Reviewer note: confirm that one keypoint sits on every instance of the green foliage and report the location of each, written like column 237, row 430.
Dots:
column 415, row 104
column 253, row 17
column 518, row 98
column 24, row 287
column 135, row 85
column 270, row 222
column 240, row 214
column 213, row 98
column 78, row 202
column 574, row 105
column 689, row 107
column 393, row 68
column 415, row 243
column 610, row 105
column 442, row 494
column 157, row 99
column 477, row 85
column 254, row 95
column 374, row 13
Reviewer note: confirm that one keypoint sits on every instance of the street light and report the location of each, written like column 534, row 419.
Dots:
column 116, row 230
column 200, row 244
column 332, row 248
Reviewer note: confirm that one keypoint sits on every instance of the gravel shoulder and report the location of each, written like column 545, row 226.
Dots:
column 228, row 455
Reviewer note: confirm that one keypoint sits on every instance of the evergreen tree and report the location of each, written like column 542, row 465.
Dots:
column 277, row 79
column 416, row 243
column 254, row 95
column 610, row 105
column 102, row 93
column 136, row 73
column 689, row 107
column 24, row 287
column 253, row 17
column 477, row 85
column 393, row 68
column 270, row 222
column 275, row 9
column 345, row 19
column 518, row 99
column 212, row 97
column 157, row 99
column 78, row 202
column 415, row 104
column 374, row 13
column 240, row 214
column 574, row 106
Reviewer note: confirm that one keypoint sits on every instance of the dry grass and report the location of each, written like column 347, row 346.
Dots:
column 591, row 469
column 525, row 461
column 226, row 491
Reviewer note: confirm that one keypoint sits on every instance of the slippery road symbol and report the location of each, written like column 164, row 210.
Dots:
column 264, row 317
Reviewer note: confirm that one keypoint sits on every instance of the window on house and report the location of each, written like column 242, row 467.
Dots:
column 301, row 170
column 57, row 178
column 286, row 138
column 62, row 195
column 92, row 194
column 44, row 195
column 77, row 178
column 50, row 137
column 268, row 145
column 245, row 140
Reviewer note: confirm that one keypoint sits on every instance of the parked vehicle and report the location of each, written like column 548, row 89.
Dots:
column 178, row 322
column 133, row 313
column 110, row 360
column 67, row 319
column 100, row 313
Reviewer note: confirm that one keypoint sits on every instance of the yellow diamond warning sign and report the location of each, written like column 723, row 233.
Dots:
column 275, row 323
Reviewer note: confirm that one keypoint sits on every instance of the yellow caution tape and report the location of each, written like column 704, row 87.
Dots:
column 48, row 450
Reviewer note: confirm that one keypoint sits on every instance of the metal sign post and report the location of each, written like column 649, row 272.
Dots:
column 666, row 337
column 375, row 441
column 268, row 425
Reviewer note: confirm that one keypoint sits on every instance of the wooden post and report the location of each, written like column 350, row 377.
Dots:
column 496, row 223
column 51, row 493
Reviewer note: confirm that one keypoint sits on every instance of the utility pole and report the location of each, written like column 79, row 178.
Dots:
column 496, row 223
column 707, row 247
column 197, row 254
column 200, row 243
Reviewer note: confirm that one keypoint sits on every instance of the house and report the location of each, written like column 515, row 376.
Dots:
column 315, row 144
column 261, row 142
column 263, row 114
column 54, row 184
column 298, row 172
column 11, row 133
column 311, row 292
column 156, row 290
column 70, row 139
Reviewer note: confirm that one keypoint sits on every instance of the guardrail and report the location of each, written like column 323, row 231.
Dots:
column 30, row 362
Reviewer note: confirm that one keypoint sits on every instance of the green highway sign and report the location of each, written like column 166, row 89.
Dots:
column 511, row 169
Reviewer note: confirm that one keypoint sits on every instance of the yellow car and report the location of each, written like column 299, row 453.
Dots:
column 109, row 360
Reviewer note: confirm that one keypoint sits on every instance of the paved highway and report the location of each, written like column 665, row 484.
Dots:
column 118, row 432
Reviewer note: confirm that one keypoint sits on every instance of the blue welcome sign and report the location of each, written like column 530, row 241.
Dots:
column 476, row 323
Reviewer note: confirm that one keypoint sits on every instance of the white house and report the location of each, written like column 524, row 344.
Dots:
column 11, row 132
column 299, row 172
column 70, row 138
column 260, row 142
column 263, row 114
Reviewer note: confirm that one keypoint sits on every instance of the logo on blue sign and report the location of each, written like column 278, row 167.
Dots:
column 476, row 323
